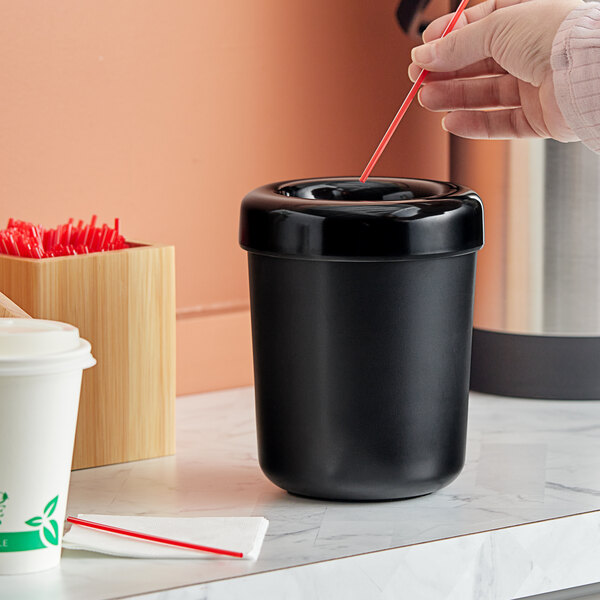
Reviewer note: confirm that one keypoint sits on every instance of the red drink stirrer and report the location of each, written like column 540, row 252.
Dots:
column 409, row 98
column 151, row 538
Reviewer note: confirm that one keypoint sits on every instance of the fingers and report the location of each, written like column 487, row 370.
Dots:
column 488, row 66
column 470, row 41
column 497, row 124
column 435, row 29
column 457, row 50
column 489, row 92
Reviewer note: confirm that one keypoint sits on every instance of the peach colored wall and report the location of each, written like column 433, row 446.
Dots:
column 166, row 113
column 471, row 161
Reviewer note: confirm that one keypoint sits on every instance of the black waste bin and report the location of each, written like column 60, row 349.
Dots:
column 362, row 306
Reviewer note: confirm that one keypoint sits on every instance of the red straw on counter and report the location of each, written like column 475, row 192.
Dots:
column 33, row 241
column 152, row 538
column 409, row 98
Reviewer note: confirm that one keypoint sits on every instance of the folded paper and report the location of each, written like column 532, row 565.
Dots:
column 239, row 534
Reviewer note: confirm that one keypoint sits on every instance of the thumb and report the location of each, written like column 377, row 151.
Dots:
column 457, row 50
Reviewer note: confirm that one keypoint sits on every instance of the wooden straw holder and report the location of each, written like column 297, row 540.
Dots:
column 123, row 303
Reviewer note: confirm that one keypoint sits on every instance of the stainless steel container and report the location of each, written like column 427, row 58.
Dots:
column 537, row 300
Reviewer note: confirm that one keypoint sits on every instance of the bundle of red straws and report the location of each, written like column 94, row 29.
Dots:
column 33, row 241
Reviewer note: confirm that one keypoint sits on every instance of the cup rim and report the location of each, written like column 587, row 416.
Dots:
column 71, row 360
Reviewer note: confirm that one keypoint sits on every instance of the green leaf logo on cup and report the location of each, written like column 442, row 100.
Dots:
column 45, row 532
column 48, row 528
column 3, row 499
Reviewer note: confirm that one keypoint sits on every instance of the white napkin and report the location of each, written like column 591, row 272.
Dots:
column 239, row 534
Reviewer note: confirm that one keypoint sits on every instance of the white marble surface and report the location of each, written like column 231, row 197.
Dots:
column 500, row 564
column 527, row 461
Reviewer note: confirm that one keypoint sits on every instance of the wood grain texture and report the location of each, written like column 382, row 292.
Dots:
column 8, row 309
column 123, row 303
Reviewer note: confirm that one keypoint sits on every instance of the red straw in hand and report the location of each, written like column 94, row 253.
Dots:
column 151, row 538
column 409, row 98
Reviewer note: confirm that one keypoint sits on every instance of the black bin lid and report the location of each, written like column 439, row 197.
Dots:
column 343, row 219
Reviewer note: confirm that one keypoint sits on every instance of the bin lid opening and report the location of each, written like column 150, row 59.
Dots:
column 348, row 190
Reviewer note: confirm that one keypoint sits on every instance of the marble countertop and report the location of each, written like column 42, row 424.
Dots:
column 522, row 518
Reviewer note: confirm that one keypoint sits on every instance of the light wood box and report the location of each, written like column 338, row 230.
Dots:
column 123, row 303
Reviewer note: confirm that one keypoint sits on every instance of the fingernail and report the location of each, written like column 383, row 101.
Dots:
column 423, row 54
column 444, row 124
column 419, row 97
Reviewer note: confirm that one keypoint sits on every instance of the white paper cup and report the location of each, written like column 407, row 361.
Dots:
column 41, row 364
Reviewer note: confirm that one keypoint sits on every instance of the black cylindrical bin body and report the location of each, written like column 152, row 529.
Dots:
column 362, row 362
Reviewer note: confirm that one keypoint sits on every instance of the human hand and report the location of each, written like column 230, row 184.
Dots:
column 492, row 73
